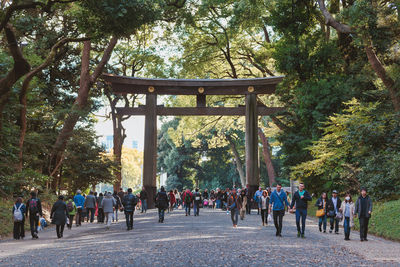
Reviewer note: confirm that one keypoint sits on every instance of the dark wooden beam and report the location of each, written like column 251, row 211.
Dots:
column 252, row 178
column 182, row 90
column 130, row 85
column 199, row 111
column 201, row 100
column 150, row 149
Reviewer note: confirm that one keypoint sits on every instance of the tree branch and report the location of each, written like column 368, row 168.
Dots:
column 329, row 20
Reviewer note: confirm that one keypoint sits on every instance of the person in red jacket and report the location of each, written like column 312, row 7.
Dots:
column 187, row 199
column 172, row 200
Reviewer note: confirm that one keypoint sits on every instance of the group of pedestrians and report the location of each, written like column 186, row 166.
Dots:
column 272, row 206
column 65, row 210
column 343, row 212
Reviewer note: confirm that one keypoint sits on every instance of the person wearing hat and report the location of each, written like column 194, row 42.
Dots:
column 364, row 210
column 332, row 210
column 79, row 202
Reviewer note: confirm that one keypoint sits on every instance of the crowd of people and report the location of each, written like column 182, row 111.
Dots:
column 270, row 205
column 105, row 206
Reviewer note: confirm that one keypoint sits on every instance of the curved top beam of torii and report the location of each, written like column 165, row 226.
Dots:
column 131, row 85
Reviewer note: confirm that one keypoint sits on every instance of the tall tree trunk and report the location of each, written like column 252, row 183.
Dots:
column 238, row 161
column 119, row 138
column 386, row 79
column 25, row 89
column 81, row 102
column 20, row 68
column 267, row 158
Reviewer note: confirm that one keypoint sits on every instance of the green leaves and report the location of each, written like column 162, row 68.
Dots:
column 117, row 17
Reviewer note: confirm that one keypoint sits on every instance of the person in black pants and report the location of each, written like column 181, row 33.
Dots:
column 334, row 204
column 34, row 210
column 364, row 210
column 58, row 215
column 18, row 212
column 129, row 202
column 277, row 203
column 249, row 200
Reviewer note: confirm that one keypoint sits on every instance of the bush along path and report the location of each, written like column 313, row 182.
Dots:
column 206, row 240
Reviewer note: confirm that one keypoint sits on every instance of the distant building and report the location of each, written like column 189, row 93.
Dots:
column 109, row 144
column 135, row 144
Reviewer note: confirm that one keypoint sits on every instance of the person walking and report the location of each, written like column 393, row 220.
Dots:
column 322, row 204
column 218, row 201
column 264, row 203
column 300, row 199
column 205, row 194
column 277, row 203
column 129, row 202
column 34, row 212
column 161, row 201
column 18, row 212
column 334, row 204
column 257, row 198
column 196, row 202
column 59, row 215
column 108, row 203
column 172, row 200
column 211, row 202
column 177, row 198
column 143, row 199
column 71, row 209
column 242, row 202
column 79, row 202
column 187, row 198
column 100, row 211
column 347, row 210
column 90, row 206
column 364, row 210
column 118, row 205
column 249, row 199
column 234, row 206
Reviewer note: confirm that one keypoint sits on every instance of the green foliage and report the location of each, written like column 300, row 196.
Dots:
column 85, row 162
column 117, row 17
column 358, row 147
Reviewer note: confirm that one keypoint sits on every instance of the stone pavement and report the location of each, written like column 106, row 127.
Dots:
column 207, row 240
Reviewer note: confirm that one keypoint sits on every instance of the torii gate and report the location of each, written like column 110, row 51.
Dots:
column 249, row 88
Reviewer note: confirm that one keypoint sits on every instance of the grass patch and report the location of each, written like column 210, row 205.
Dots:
column 385, row 220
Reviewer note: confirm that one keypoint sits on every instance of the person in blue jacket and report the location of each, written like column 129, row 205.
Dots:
column 300, row 199
column 277, row 204
column 18, row 212
column 79, row 202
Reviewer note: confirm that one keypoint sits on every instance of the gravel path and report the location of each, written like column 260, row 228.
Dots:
column 207, row 240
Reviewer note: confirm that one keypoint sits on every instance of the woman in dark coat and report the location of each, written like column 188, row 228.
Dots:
column 58, row 216
column 161, row 201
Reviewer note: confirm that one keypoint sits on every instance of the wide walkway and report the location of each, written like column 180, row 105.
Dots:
column 207, row 240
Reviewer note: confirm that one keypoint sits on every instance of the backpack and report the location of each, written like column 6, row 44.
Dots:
column 187, row 198
column 197, row 196
column 70, row 206
column 33, row 205
column 18, row 217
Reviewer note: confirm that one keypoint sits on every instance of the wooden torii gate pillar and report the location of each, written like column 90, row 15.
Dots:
column 251, row 133
column 249, row 88
column 150, row 149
